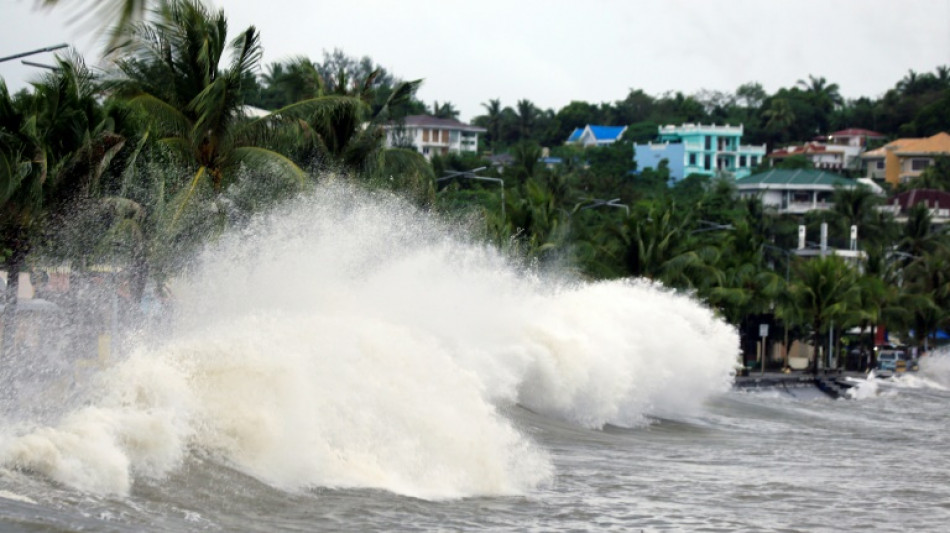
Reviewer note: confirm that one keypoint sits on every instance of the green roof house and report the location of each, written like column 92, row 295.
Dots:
column 797, row 191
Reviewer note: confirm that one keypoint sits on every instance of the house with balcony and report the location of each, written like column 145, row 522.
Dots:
column 903, row 159
column 857, row 137
column 596, row 135
column 433, row 136
column 700, row 149
column 835, row 157
column 797, row 191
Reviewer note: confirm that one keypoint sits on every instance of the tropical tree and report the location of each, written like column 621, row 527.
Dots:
column 289, row 82
column 659, row 244
column 172, row 71
column 492, row 121
column 527, row 114
column 444, row 110
column 54, row 145
column 117, row 15
column 858, row 206
column 779, row 116
column 823, row 291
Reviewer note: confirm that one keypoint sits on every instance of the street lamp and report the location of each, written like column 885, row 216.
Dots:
column 712, row 226
column 470, row 174
column 788, row 264
column 599, row 202
column 39, row 65
column 32, row 52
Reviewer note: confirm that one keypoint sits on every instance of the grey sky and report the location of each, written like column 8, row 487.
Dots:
column 555, row 51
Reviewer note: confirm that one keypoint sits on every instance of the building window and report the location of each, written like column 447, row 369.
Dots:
column 919, row 164
column 879, row 165
column 425, row 136
column 425, row 150
column 707, row 164
column 692, row 160
column 741, row 161
column 753, row 160
column 708, row 144
column 801, row 197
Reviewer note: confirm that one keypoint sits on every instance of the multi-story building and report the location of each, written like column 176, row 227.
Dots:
column 702, row 149
column 433, row 136
column 900, row 160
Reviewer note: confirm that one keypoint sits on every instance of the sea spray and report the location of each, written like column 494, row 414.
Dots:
column 349, row 341
column 936, row 366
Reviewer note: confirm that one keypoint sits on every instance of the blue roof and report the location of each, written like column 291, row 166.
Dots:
column 607, row 132
column 576, row 134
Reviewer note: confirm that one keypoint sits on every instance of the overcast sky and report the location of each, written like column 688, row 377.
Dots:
column 554, row 51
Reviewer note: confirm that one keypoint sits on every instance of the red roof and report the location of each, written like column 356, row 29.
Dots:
column 932, row 198
column 808, row 148
column 857, row 132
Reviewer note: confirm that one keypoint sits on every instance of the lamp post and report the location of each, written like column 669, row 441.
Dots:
column 33, row 52
column 788, row 264
column 470, row 174
column 712, row 226
column 599, row 202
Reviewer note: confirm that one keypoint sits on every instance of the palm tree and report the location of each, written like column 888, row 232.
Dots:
column 54, row 145
column 824, row 93
column 779, row 116
column 290, row 82
column 445, row 110
column 346, row 130
column 494, row 109
column 527, row 113
column 823, row 291
column 857, row 206
column 659, row 244
column 172, row 71
column 120, row 14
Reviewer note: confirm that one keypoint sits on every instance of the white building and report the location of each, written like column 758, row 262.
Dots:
column 797, row 191
column 433, row 136
column 822, row 156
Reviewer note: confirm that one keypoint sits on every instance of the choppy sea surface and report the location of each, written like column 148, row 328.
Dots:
column 349, row 364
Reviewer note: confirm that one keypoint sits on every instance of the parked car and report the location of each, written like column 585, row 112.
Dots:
column 895, row 360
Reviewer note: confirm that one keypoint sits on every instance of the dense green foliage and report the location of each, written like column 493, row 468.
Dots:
column 159, row 154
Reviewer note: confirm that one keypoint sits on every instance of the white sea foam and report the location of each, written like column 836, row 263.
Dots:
column 936, row 367
column 863, row 388
column 15, row 497
column 351, row 342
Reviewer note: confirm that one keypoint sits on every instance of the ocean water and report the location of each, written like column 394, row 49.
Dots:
column 349, row 364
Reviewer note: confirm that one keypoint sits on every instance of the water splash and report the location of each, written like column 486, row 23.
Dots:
column 936, row 367
column 348, row 341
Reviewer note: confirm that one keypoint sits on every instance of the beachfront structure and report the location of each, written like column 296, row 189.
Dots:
column 796, row 191
column 596, row 135
column 700, row 149
column 898, row 161
column 433, row 136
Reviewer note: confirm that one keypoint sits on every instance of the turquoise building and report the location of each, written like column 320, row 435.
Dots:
column 700, row 149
